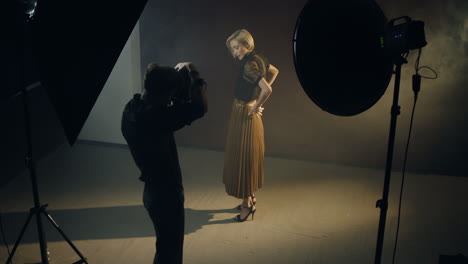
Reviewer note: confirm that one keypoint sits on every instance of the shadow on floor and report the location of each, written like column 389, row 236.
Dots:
column 102, row 223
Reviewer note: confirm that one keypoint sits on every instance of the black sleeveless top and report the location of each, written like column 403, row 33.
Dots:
column 253, row 67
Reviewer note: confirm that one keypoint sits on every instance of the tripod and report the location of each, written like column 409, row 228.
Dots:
column 383, row 203
column 38, row 209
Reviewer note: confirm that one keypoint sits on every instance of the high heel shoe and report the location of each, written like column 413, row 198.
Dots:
column 251, row 212
column 239, row 207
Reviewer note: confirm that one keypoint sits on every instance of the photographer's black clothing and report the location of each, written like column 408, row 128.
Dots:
column 165, row 206
column 253, row 67
column 149, row 132
column 156, row 144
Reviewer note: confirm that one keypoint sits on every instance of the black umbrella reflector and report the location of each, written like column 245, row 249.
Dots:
column 339, row 57
column 76, row 44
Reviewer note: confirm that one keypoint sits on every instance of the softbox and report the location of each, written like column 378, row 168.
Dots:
column 76, row 44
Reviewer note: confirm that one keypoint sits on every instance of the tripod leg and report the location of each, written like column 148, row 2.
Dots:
column 83, row 259
column 19, row 238
column 42, row 239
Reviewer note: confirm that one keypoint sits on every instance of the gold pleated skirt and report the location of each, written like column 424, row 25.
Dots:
column 244, row 154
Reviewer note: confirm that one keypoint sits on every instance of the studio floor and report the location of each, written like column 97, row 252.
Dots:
column 306, row 213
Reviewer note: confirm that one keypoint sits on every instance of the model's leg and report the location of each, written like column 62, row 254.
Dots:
column 246, row 205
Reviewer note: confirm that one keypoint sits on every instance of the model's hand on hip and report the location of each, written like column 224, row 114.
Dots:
column 256, row 110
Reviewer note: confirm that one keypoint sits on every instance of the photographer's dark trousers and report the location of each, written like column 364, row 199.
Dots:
column 165, row 205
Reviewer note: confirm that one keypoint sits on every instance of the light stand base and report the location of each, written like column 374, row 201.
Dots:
column 37, row 211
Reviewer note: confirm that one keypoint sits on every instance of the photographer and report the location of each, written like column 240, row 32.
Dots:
column 172, row 99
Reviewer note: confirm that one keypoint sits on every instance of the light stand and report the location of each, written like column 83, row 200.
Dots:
column 38, row 209
column 383, row 203
column 398, row 39
column 323, row 36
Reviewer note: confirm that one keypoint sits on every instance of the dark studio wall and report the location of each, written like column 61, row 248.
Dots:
column 173, row 31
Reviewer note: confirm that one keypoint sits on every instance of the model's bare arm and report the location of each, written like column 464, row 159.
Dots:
column 265, row 91
column 272, row 74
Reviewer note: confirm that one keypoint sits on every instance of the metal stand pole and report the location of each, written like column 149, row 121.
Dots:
column 383, row 203
column 38, row 208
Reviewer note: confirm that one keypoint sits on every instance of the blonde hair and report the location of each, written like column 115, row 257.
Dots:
column 244, row 37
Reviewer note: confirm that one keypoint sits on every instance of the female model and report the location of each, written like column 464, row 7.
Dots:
column 243, row 162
